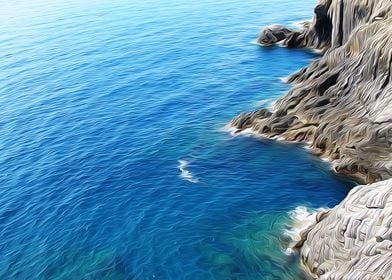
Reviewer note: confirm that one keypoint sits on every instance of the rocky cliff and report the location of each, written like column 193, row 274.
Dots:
column 341, row 105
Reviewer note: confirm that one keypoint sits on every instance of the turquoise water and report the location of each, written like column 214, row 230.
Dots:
column 113, row 161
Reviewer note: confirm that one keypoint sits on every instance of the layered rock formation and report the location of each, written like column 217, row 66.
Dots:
column 353, row 241
column 341, row 105
column 333, row 23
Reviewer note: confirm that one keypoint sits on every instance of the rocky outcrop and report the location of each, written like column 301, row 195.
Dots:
column 353, row 240
column 340, row 103
column 341, row 106
column 333, row 23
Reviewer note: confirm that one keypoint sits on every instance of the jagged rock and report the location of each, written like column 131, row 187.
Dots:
column 273, row 34
column 333, row 23
column 354, row 239
column 340, row 103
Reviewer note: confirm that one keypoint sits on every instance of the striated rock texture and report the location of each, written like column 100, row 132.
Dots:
column 332, row 25
column 353, row 241
column 341, row 103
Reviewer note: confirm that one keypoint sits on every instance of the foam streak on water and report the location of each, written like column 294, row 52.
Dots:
column 185, row 173
column 302, row 218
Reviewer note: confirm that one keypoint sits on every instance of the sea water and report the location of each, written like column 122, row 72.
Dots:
column 113, row 160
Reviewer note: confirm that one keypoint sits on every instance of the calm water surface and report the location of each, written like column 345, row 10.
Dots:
column 113, row 164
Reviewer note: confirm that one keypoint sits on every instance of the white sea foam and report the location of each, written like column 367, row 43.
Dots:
column 230, row 129
column 246, row 132
column 254, row 42
column 236, row 132
column 279, row 138
column 272, row 106
column 327, row 159
column 185, row 173
column 299, row 24
column 317, row 51
column 284, row 80
column 307, row 147
column 301, row 219
column 278, row 44
column 265, row 102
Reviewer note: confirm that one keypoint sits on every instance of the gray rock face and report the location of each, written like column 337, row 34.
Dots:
column 354, row 239
column 332, row 25
column 273, row 34
column 341, row 105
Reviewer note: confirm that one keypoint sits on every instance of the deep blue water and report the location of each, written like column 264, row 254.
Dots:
column 113, row 162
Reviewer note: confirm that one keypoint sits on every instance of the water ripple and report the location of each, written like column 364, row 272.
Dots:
column 110, row 108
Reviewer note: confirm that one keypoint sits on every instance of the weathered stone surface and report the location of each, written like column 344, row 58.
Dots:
column 354, row 240
column 332, row 25
column 273, row 34
column 340, row 103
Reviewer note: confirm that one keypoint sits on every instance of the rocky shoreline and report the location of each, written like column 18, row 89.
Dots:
column 354, row 239
column 341, row 105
